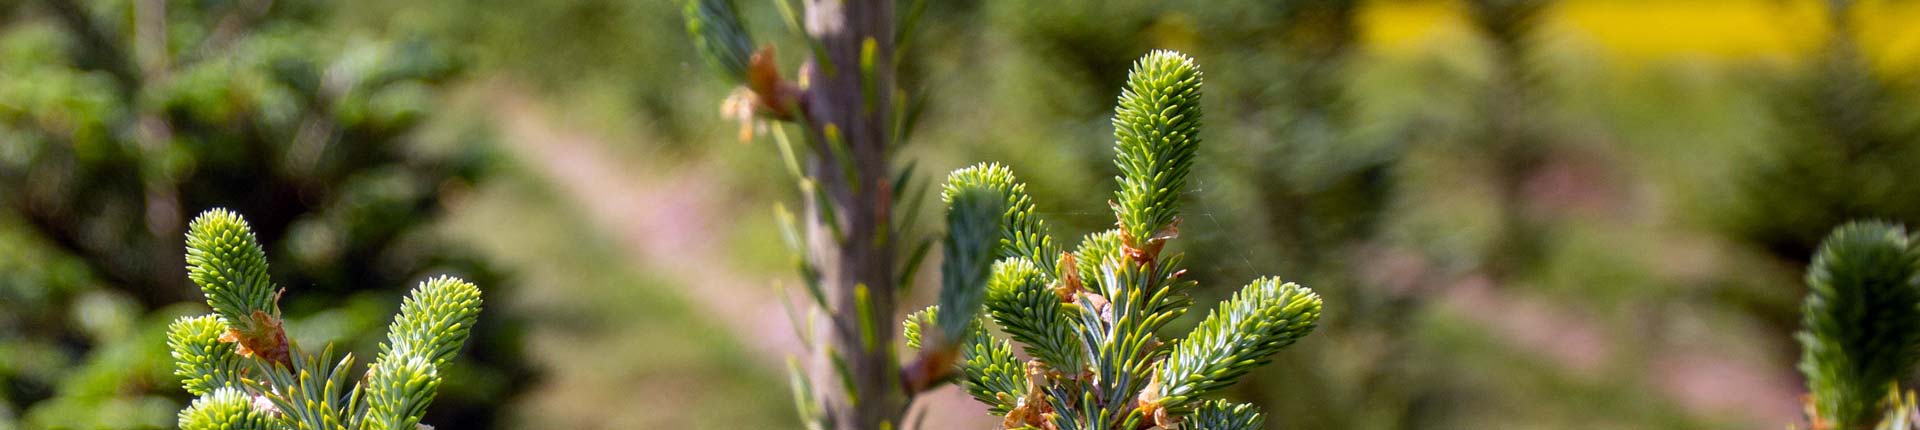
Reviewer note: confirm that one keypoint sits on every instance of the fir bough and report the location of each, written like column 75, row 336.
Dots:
column 1220, row 415
column 201, row 360
column 1088, row 318
column 1024, row 304
column 995, row 376
column 226, row 408
column 974, row 234
column 225, row 260
column 249, row 376
column 1157, row 128
column 1237, row 337
column 1861, row 325
column 1025, row 234
column 973, row 237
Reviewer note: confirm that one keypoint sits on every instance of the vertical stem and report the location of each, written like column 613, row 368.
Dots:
column 848, row 108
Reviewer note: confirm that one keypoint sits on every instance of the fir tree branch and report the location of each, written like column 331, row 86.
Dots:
column 1117, row 335
column 226, row 408
column 311, row 395
column 973, row 235
column 989, row 369
column 434, row 322
column 1097, row 251
column 914, row 326
column 1238, row 336
column 1156, row 131
column 991, row 373
column 1861, row 328
column 1019, row 299
column 1106, row 271
column 1095, row 318
column 306, row 391
column 227, row 262
column 225, row 259
column 202, row 362
column 1093, row 314
column 398, row 391
column 937, row 357
column 1220, row 415
column 1024, row 234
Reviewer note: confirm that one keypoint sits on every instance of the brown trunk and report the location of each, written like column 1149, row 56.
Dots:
column 847, row 106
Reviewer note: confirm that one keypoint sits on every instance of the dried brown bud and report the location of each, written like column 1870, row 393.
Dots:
column 932, row 366
column 1147, row 250
column 1033, row 409
column 1069, row 283
column 777, row 97
column 268, row 340
column 1149, row 404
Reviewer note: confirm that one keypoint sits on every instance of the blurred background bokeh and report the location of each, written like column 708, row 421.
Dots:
column 1578, row 214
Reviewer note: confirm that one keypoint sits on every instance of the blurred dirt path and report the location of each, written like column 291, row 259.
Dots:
column 1701, row 375
column 666, row 217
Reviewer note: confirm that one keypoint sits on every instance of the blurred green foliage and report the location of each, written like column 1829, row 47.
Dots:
column 1843, row 144
column 1846, row 146
column 121, row 117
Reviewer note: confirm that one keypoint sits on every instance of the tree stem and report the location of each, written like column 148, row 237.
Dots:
column 848, row 110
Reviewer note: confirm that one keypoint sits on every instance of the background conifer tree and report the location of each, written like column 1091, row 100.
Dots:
column 1841, row 145
column 1845, row 141
column 1861, row 328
